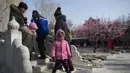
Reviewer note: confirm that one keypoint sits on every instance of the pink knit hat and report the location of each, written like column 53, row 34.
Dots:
column 33, row 26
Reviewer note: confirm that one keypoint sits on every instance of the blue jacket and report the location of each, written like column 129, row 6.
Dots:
column 42, row 24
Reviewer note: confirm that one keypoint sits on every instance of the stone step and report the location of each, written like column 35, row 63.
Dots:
column 50, row 71
column 34, row 56
column 77, row 70
column 40, row 62
column 40, row 68
column 47, row 68
column 34, row 63
column 50, row 65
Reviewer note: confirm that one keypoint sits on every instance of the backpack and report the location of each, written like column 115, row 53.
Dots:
column 42, row 25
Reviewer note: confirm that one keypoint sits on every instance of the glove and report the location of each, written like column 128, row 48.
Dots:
column 69, row 57
column 53, row 58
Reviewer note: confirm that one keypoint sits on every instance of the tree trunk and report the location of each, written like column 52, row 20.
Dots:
column 95, row 47
column 98, row 44
column 104, row 46
column 127, row 44
column 124, row 46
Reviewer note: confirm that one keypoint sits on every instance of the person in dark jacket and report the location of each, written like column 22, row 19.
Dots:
column 17, row 12
column 61, row 24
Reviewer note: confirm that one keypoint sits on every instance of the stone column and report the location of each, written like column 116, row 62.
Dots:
column 2, row 47
column 11, row 34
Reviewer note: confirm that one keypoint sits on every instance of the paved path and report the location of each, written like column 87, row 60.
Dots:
column 118, row 63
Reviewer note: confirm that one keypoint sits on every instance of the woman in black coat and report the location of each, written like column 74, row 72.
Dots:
column 61, row 24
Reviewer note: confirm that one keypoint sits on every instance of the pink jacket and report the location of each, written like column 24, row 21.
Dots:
column 60, row 48
column 33, row 26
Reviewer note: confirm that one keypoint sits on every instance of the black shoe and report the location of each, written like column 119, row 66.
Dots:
column 71, row 68
column 41, row 57
column 60, row 67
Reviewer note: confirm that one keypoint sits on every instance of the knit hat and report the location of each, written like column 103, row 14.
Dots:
column 37, row 13
column 33, row 26
column 58, row 12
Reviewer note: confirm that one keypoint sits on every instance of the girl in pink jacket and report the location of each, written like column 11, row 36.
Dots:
column 60, row 52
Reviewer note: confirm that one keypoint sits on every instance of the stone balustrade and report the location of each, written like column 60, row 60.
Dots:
column 14, row 56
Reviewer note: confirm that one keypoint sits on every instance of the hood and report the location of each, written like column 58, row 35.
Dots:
column 15, row 8
column 62, row 17
column 33, row 26
column 58, row 31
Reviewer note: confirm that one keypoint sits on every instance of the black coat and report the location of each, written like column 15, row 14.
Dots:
column 61, row 24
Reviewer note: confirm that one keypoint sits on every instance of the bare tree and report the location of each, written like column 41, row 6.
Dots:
column 46, row 8
column 128, row 19
column 69, row 23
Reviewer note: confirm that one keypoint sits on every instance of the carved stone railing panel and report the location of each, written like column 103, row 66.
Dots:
column 15, row 55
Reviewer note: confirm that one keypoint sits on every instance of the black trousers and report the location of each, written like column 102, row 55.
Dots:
column 58, row 64
column 41, row 46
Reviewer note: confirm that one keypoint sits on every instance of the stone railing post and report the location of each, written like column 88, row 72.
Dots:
column 11, row 34
column 21, row 63
column 16, row 55
column 77, row 59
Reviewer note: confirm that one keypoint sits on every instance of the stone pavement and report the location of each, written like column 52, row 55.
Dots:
column 118, row 63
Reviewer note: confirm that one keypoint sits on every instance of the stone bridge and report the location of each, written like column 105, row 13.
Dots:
column 14, row 57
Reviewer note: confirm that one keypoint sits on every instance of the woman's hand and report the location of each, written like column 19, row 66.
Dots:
column 69, row 57
column 34, row 33
column 26, row 29
column 53, row 58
